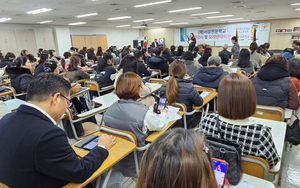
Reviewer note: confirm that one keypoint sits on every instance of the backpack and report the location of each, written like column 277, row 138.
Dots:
column 293, row 131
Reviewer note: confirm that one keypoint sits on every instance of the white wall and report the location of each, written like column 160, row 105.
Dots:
column 116, row 37
column 63, row 40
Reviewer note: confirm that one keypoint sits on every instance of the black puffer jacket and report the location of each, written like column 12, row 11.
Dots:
column 158, row 62
column 188, row 95
column 6, row 62
column 168, row 57
column 19, row 78
column 91, row 56
column 209, row 77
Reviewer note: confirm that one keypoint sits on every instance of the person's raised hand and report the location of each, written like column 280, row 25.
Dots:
column 107, row 141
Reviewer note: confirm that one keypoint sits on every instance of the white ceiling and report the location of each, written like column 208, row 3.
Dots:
column 65, row 11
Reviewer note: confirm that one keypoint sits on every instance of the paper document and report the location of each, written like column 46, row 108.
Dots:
column 204, row 94
column 234, row 70
column 172, row 112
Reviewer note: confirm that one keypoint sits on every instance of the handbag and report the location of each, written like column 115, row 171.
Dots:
column 228, row 151
column 293, row 131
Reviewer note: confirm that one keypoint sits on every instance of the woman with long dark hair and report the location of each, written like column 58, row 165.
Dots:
column 99, row 51
column 192, row 42
column 206, row 54
column 45, row 56
column 91, row 54
column 255, row 57
column 244, row 62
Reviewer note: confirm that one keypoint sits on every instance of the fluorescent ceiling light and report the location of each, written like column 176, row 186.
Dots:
column 185, row 9
column 163, row 22
column 136, row 27
column 47, row 21
column 297, row 9
column 154, row 3
column 182, row 23
column 77, row 23
column 143, row 20
column 4, row 19
column 224, row 20
column 39, row 11
column 123, row 26
column 295, row 4
column 119, row 18
column 216, row 12
column 223, row 16
column 85, row 15
column 240, row 21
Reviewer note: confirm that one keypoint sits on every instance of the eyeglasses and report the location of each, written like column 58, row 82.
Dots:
column 69, row 101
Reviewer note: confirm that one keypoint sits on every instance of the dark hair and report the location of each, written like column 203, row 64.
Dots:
column 137, row 54
column 167, row 50
column 128, row 86
column 188, row 55
column 51, row 53
column 206, row 53
column 45, row 85
column 196, row 49
column 76, row 49
column 261, row 49
column 31, row 58
column 72, row 48
column 204, row 46
column 294, row 67
column 20, row 61
column 82, row 52
column 177, row 159
column 84, row 48
column 128, row 64
column 234, row 38
column 157, row 50
column 139, row 48
column 224, row 58
column 10, row 55
column 99, row 51
column 172, row 48
column 290, row 50
column 102, row 61
column 278, row 59
column 253, row 47
column 180, row 49
column 267, row 45
column 244, row 59
column 195, row 52
column 43, row 57
column 40, row 51
column 236, row 92
column 296, row 42
column 144, row 51
column 67, row 55
column 23, row 52
column 91, row 50
column 177, row 69
column 50, row 66
column 74, row 62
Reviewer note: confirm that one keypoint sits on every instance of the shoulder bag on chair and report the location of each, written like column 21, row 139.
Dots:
column 228, row 151
column 293, row 131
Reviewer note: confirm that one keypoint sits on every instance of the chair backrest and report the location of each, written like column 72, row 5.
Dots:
column 157, row 70
column 199, row 88
column 155, row 80
column 94, row 86
column 2, row 185
column 269, row 112
column 182, row 106
column 255, row 166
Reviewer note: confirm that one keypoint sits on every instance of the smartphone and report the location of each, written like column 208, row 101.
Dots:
column 220, row 168
column 161, row 105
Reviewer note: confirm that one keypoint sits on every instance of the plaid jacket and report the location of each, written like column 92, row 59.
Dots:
column 254, row 139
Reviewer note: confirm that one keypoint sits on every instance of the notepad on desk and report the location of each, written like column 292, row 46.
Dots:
column 172, row 113
column 204, row 94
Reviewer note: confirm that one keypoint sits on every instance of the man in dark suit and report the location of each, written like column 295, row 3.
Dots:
column 154, row 44
column 34, row 151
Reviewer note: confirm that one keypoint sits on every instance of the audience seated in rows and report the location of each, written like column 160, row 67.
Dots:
column 204, row 57
column 203, row 48
column 130, row 115
column 75, row 72
column 20, row 76
column 158, row 62
column 191, row 66
column 178, row 158
column 129, row 64
column 182, row 91
column 255, row 139
column 255, row 57
column 294, row 71
column 91, row 54
column 273, row 85
column 145, row 55
column 224, row 63
column 7, row 61
column 196, row 54
column 211, row 75
column 99, row 51
column 244, row 62
column 141, row 67
column 179, row 51
column 53, row 57
column 45, row 56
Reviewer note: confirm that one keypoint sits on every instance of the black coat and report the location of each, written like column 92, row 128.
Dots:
column 19, row 78
column 142, row 70
column 91, row 56
column 36, row 153
column 203, row 61
column 173, row 53
column 103, row 77
column 158, row 62
column 188, row 95
column 209, row 77
column 6, row 62
column 39, row 68
column 168, row 57
column 153, row 44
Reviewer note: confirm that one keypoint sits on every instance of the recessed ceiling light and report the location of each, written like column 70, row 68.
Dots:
column 297, row 9
column 223, row 16
column 295, row 4
column 39, row 11
column 239, row 21
column 145, row 20
column 224, row 20
column 154, row 3
column 85, row 15
column 216, row 12
column 119, row 18
column 77, row 23
column 123, row 26
column 163, row 22
column 4, row 19
column 185, row 9
column 182, row 23
column 136, row 27
column 47, row 21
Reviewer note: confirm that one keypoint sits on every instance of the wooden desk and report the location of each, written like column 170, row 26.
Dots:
column 13, row 104
column 154, row 135
column 206, row 99
column 278, row 130
column 153, row 73
column 9, row 92
column 120, row 150
column 5, row 82
column 106, row 100
column 254, row 181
